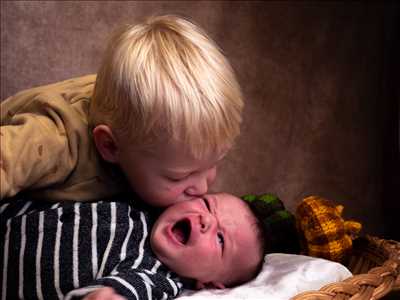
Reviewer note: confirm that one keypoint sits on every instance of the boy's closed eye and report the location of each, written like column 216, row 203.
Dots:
column 177, row 177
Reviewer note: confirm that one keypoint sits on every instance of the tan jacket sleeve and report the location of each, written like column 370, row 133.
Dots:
column 42, row 130
column 46, row 147
column 32, row 154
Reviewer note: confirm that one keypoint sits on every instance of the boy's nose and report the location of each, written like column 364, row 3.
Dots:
column 201, row 184
column 199, row 188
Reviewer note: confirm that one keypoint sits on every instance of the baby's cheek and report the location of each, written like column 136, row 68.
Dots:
column 207, row 251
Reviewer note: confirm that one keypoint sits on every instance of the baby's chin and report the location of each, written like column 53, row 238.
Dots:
column 168, row 240
column 158, row 246
column 165, row 249
column 189, row 283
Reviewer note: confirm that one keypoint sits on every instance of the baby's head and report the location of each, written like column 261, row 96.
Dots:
column 215, row 240
column 165, row 90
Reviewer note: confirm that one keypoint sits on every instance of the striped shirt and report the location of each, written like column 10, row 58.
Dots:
column 66, row 250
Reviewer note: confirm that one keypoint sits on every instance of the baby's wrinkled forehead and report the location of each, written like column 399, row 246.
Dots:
column 235, row 212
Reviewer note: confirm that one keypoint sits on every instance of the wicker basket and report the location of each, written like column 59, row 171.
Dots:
column 375, row 264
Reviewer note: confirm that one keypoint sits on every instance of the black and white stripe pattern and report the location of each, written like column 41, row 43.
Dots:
column 66, row 250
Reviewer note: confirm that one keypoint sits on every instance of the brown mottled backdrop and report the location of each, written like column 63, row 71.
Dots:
column 320, row 82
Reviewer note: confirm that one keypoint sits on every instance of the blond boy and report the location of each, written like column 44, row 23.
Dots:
column 164, row 108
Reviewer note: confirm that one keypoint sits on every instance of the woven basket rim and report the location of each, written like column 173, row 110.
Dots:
column 374, row 284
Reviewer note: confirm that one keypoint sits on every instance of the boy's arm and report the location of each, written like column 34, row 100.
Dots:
column 133, row 284
column 32, row 154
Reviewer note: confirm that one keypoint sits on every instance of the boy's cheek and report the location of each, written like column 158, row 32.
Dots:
column 213, row 176
column 169, row 191
column 170, row 194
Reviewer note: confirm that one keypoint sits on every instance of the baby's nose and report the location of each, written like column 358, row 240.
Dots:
column 206, row 222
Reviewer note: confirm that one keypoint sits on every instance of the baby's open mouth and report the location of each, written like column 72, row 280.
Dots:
column 181, row 231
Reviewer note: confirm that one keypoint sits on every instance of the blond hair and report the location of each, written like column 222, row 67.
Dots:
column 165, row 79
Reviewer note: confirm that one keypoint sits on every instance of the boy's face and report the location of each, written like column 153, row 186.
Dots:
column 167, row 174
column 211, row 239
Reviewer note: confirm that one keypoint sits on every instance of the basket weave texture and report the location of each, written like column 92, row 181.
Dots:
column 375, row 264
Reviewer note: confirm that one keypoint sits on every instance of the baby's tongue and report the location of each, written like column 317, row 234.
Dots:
column 181, row 230
column 179, row 234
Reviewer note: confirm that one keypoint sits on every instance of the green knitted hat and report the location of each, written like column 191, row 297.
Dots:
column 278, row 224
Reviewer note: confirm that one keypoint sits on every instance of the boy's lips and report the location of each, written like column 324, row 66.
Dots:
column 181, row 231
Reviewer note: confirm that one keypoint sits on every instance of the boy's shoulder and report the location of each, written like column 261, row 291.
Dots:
column 56, row 95
column 75, row 83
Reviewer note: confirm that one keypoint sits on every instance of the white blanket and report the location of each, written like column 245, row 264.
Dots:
column 283, row 276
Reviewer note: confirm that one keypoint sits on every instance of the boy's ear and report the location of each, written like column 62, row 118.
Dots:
column 211, row 285
column 105, row 143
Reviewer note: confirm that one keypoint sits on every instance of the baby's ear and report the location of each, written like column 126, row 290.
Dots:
column 209, row 285
column 217, row 285
column 199, row 285
column 105, row 143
